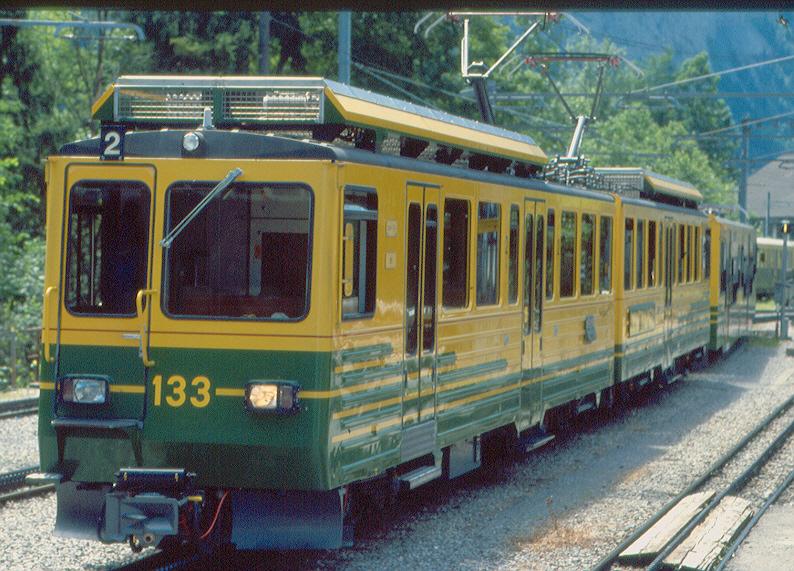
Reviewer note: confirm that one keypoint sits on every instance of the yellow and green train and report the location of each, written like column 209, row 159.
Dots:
column 267, row 297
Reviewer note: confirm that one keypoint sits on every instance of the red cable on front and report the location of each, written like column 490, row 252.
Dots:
column 217, row 513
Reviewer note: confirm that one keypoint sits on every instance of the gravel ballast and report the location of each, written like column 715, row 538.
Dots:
column 561, row 507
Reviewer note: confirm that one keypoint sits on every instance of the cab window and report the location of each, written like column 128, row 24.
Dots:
column 229, row 261
column 107, row 244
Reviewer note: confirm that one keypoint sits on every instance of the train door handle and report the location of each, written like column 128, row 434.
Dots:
column 45, row 328
column 144, row 324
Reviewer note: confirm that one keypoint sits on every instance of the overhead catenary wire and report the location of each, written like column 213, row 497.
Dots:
column 714, row 74
column 738, row 126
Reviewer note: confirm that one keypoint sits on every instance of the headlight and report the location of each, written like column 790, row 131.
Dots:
column 190, row 142
column 84, row 391
column 272, row 397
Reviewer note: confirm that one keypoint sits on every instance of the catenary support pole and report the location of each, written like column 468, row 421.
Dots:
column 264, row 43
column 745, row 170
column 768, row 210
column 344, row 47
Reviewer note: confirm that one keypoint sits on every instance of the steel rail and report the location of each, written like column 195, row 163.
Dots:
column 19, row 412
column 27, row 493
column 734, row 545
column 173, row 560
column 610, row 558
column 736, row 485
column 16, row 478
column 18, row 407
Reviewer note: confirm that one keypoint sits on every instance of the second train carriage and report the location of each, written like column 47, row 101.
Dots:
column 244, row 324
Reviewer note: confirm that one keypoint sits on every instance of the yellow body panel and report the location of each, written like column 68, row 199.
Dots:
column 365, row 112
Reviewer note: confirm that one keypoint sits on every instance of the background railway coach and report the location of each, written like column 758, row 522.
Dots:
column 770, row 266
column 270, row 298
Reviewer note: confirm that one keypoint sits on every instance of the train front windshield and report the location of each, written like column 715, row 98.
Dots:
column 246, row 255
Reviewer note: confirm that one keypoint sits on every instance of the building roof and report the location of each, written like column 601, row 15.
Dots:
column 775, row 179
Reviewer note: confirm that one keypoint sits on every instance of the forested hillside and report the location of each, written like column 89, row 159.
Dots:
column 48, row 82
column 731, row 39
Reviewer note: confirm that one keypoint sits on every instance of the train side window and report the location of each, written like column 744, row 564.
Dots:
column 528, row 275
column 361, row 253
column 640, row 251
column 681, row 253
column 412, row 278
column 696, row 249
column 605, row 257
column 651, row 253
column 456, row 253
column 688, row 253
column 488, row 234
column 539, row 273
column 512, row 262
column 628, row 242
column 430, row 278
column 586, row 262
column 550, row 254
column 567, row 253
column 723, row 267
column 707, row 253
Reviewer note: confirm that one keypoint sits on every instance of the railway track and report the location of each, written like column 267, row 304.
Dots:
column 206, row 557
column 658, row 561
column 19, row 407
column 13, row 487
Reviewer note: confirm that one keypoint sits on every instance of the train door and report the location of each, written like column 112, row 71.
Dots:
column 669, row 282
column 105, row 258
column 531, row 362
column 421, row 308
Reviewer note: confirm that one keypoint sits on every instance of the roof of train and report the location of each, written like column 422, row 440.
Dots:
column 261, row 102
column 764, row 241
column 656, row 182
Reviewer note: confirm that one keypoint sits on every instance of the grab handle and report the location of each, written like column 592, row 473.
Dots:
column 144, row 324
column 45, row 326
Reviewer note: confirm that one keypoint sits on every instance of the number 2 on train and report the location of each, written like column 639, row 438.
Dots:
column 177, row 392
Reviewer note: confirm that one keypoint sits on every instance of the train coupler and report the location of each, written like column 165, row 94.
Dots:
column 143, row 505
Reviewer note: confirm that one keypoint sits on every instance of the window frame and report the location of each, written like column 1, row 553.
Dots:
column 467, row 269
column 497, row 281
column 639, row 251
column 513, row 258
column 574, row 258
column 628, row 257
column 66, row 250
column 550, row 250
column 165, row 274
column 592, row 254
column 609, row 250
column 363, row 219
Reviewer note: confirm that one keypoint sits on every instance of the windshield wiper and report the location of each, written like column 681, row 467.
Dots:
column 217, row 191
